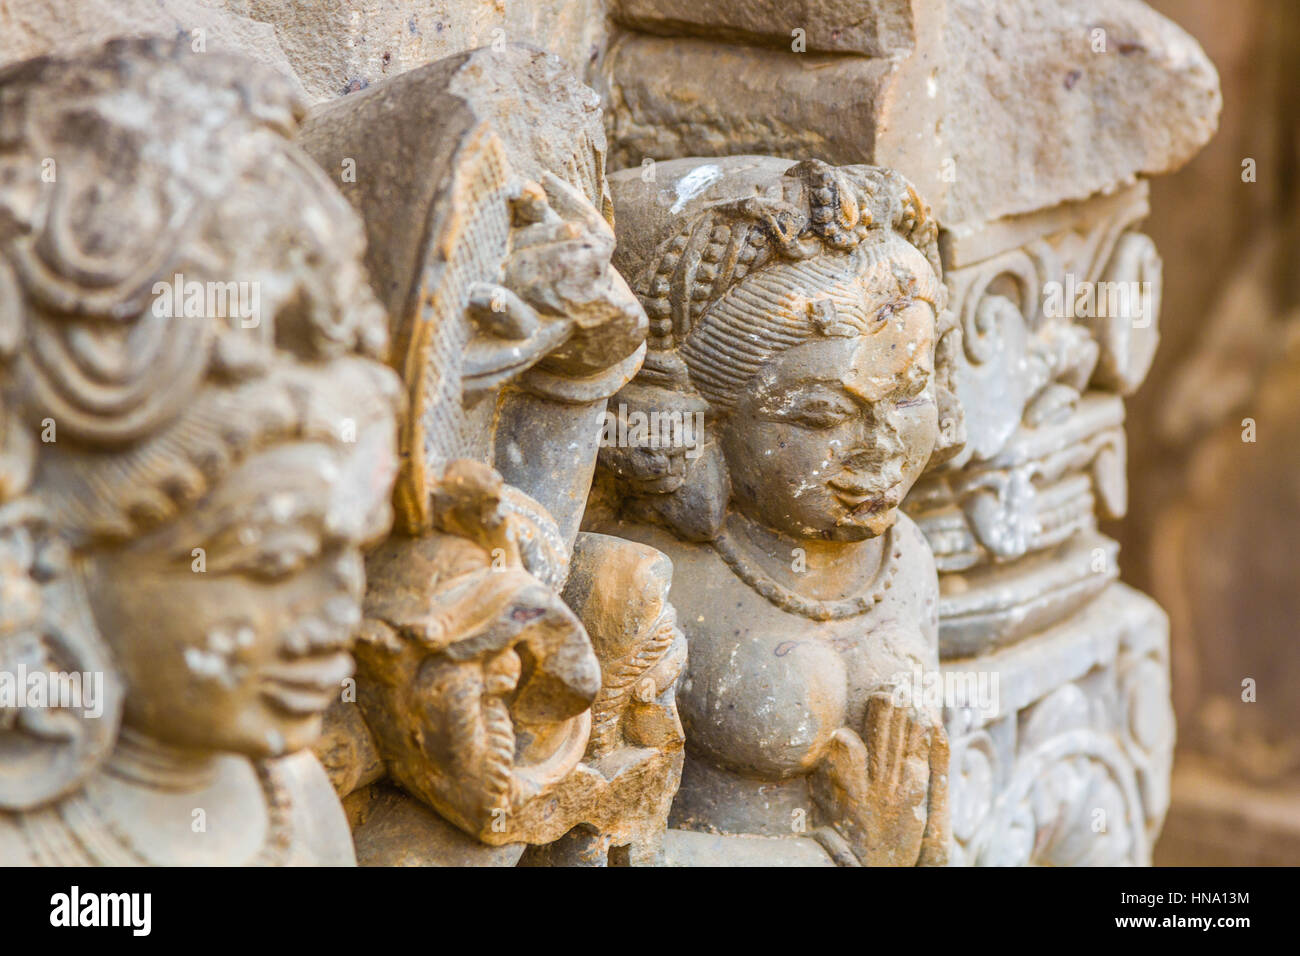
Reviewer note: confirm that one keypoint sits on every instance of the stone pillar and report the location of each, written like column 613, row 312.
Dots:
column 1031, row 129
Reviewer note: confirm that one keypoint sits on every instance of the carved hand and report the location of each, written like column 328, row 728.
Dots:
column 882, row 794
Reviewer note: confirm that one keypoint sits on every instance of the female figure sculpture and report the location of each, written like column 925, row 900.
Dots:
column 205, row 477
column 799, row 310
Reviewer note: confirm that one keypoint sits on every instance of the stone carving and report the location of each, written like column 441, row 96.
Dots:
column 1012, row 520
column 797, row 310
column 481, row 179
column 1074, row 769
column 990, row 109
column 866, row 454
column 188, row 527
column 1059, row 312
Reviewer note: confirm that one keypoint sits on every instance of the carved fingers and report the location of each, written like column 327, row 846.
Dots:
column 877, row 792
column 938, row 831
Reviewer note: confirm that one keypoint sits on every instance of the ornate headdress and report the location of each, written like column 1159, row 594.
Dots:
column 140, row 169
column 723, row 273
column 820, row 208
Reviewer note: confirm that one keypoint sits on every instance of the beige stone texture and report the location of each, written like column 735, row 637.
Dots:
column 329, row 47
column 991, row 109
column 191, row 527
column 748, row 505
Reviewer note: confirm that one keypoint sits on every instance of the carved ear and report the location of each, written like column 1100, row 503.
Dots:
column 56, row 657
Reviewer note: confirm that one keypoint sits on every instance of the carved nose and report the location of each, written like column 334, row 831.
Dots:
column 867, row 473
column 349, row 573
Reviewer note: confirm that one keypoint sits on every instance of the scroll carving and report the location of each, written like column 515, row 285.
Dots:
column 1060, row 313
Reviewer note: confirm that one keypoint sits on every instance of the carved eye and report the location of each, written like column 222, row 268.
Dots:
column 821, row 419
column 266, row 552
column 822, row 411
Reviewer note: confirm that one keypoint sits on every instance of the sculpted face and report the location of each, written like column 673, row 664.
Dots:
column 476, row 680
column 830, row 435
column 242, row 646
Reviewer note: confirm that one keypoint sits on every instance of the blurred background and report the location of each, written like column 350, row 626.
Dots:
column 1213, row 529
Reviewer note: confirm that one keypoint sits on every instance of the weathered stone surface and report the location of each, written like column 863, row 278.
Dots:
column 481, row 180
column 992, row 109
column 190, row 526
column 795, row 327
column 328, row 48
column 819, row 346
column 508, row 680
column 1059, row 315
column 877, row 29
column 31, row 28
column 1072, row 767
column 341, row 46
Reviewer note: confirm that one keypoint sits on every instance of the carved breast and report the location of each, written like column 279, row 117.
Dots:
column 764, row 688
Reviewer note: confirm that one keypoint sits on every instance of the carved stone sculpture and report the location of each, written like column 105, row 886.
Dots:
column 1039, row 191
column 481, row 179
column 187, row 489
column 1073, row 767
column 797, row 309
column 844, row 447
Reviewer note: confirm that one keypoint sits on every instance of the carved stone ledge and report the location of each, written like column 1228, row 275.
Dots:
column 990, row 109
column 1073, row 769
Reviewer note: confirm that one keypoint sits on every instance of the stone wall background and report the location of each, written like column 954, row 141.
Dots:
column 1214, row 520
column 332, row 47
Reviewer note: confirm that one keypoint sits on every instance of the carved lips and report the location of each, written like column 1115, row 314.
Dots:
column 307, row 685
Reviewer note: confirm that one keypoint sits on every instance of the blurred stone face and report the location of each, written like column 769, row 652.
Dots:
column 244, row 647
column 483, row 701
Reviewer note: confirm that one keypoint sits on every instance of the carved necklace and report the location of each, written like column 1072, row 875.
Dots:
column 786, row 599
column 102, row 840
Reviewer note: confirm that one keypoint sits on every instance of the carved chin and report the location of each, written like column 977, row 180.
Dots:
column 858, row 525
